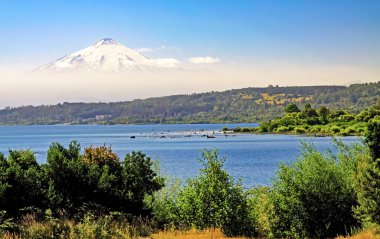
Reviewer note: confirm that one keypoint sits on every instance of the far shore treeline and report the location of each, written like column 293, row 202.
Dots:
column 96, row 194
column 316, row 122
column 232, row 106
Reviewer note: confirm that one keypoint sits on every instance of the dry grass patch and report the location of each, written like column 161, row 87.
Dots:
column 367, row 234
column 191, row 234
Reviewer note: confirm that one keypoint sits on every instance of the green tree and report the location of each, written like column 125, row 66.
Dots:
column 164, row 204
column 291, row 108
column 323, row 113
column 21, row 183
column 139, row 179
column 313, row 197
column 98, row 180
column 212, row 200
column 309, row 111
column 368, row 178
column 372, row 137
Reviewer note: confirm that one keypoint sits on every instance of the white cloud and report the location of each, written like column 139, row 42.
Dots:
column 144, row 49
column 204, row 60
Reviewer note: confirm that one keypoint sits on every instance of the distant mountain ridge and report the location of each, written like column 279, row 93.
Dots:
column 109, row 56
column 238, row 105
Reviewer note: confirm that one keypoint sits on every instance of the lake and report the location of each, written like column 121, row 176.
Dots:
column 253, row 158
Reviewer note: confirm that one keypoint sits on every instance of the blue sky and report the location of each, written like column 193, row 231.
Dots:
column 317, row 32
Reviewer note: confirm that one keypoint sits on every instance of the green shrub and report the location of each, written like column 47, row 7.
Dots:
column 282, row 129
column 98, row 180
column 360, row 130
column 314, row 197
column 237, row 129
column 299, row 130
column 291, row 108
column 368, row 178
column 47, row 230
column 350, row 130
column 92, row 227
column 164, row 205
column 245, row 129
column 212, row 200
column 264, row 127
column 22, row 183
column 255, row 129
column 260, row 208
column 335, row 129
column 315, row 129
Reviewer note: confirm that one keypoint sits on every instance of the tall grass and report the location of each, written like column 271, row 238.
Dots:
column 366, row 234
column 191, row 234
column 106, row 227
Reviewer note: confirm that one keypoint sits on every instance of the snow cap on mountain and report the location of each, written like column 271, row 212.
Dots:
column 108, row 55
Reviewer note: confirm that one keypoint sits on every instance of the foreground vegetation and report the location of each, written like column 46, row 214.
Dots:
column 240, row 105
column 317, row 122
column 97, row 195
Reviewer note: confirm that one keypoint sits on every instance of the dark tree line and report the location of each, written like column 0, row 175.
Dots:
column 240, row 105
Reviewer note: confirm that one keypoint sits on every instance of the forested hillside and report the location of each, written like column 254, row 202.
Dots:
column 238, row 105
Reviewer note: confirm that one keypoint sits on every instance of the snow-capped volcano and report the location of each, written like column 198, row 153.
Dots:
column 108, row 55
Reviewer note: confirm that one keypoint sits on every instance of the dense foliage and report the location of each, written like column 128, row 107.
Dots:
column 19, row 173
column 368, row 178
column 241, row 105
column 72, row 184
column 314, row 197
column 319, row 122
column 213, row 200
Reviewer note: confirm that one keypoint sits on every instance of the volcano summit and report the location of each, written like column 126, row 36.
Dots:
column 109, row 56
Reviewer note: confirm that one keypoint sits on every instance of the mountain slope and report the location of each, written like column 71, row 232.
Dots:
column 240, row 105
column 110, row 56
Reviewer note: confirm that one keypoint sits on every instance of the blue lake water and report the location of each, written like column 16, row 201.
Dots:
column 253, row 158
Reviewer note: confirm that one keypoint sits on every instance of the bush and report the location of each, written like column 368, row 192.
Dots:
column 50, row 229
column 350, row 130
column 264, row 127
column 164, row 205
column 360, row 130
column 20, row 173
column 282, row 129
column 313, row 197
column 315, row 129
column 213, row 200
column 260, row 208
column 335, row 129
column 237, row 130
column 291, row 108
column 98, row 180
column 368, row 178
column 92, row 227
column 246, row 129
column 299, row 130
